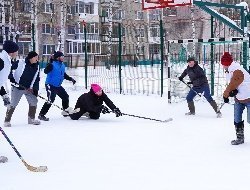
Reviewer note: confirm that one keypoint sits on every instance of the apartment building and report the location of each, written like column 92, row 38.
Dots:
column 49, row 25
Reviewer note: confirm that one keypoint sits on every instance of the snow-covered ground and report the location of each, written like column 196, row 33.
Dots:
column 127, row 153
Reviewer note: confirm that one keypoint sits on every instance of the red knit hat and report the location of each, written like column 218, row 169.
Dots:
column 226, row 59
column 95, row 87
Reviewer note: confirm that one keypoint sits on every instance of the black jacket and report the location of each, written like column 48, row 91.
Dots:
column 196, row 75
column 90, row 102
column 27, row 75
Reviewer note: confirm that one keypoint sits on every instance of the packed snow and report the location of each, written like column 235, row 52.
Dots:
column 126, row 153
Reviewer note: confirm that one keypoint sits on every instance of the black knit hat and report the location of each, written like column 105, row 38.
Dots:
column 190, row 59
column 58, row 54
column 10, row 46
column 32, row 54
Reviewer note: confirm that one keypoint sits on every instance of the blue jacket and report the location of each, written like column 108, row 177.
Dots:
column 55, row 76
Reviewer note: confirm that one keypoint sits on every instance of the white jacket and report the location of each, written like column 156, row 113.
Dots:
column 4, row 73
column 244, row 87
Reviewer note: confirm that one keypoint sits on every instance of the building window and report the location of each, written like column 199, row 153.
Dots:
column 139, row 15
column 71, row 9
column 105, row 12
column 171, row 11
column 119, row 14
column 79, row 47
column 124, row 50
column 83, row 7
column 123, row 31
column 47, row 7
column 24, row 48
column 92, row 28
column 26, row 5
column 46, row 29
column 154, row 15
column 89, row 8
column 140, row 32
column 154, row 48
column 155, row 31
column 71, row 30
column 48, row 49
column 25, row 27
column 140, row 50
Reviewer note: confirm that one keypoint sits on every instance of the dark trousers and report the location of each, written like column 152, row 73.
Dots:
column 201, row 89
column 52, row 91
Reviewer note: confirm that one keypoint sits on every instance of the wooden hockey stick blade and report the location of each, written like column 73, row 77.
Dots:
column 35, row 169
column 168, row 120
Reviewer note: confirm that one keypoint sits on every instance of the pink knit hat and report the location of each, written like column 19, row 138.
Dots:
column 95, row 87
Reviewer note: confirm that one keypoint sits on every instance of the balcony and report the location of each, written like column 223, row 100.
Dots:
column 90, row 37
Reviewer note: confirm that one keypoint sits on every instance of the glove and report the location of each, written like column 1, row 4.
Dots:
column 105, row 109
column 117, row 111
column 226, row 100
column 30, row 90
column 35, row 92
column 180, row 78
column 73, row 81
column 233, row 93
column 190, row 82
column 12, row 80
column 6, row 100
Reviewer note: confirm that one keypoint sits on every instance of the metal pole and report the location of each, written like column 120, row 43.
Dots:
column 244, row 28
column 120, row 55
column 212, row 56
column 162, row 49
column 86, row 56
column 33, row 37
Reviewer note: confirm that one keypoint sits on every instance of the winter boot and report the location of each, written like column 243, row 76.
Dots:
column 239, row 127
column 33, row 121
column 31, row 116
column 191, row 108
column 43, row 112
column 43, row 117
column 3, row 159
column 67, row 111
column 8, row 116
column 215, row 107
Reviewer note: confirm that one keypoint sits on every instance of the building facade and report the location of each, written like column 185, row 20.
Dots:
column 50, row 25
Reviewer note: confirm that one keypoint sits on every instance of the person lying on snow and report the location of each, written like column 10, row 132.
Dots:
column 91, row 104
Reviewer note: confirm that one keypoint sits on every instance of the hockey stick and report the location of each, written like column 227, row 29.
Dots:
column 164, row 121
column 219, row 108
column 49, row 102
column 142, row 117
column 199, row 94
column 69, row 112
column 29, row 167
